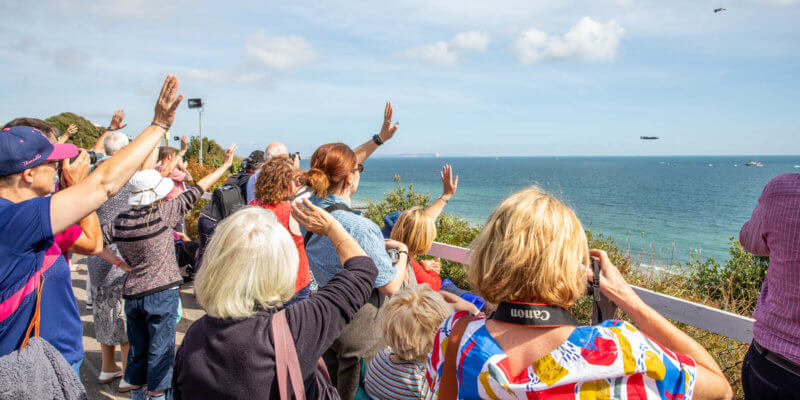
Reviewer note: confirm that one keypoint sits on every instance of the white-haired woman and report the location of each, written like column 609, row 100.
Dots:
column 532, row 260
column 249, row 272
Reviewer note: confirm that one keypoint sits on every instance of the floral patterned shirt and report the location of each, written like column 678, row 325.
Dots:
column 612, row 360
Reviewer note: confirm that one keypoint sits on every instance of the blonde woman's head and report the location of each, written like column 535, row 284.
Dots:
column 251, row 262
column 416, row 229
column 532, row 249
column 409, row 321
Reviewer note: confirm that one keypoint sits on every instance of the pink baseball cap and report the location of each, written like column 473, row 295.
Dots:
column 23, row 147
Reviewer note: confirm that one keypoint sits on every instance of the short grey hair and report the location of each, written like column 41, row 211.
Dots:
column 115, row 142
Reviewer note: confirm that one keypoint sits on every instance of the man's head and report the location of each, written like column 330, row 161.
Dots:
column 276, row 149
column 115, row 142
column 48, row 130
column 29, row 161
column 164, row 152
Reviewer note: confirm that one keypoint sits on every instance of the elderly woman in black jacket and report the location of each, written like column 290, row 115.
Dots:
column 248, row 273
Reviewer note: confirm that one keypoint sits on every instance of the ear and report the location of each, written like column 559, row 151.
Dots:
column 26, row 176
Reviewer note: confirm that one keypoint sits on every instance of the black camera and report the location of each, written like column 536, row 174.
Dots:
column 92, row 157
column 176, row 138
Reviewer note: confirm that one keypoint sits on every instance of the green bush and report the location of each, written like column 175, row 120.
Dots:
column 87, row 132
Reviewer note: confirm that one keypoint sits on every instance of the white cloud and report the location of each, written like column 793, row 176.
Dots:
column 448, row 53
column 280, row 53
column 588, row 40
column 470, row 40
column 221, row 77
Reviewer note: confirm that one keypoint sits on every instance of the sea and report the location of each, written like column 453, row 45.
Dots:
column 661, row 210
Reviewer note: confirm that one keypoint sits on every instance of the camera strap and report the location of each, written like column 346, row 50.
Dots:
column 532, row 314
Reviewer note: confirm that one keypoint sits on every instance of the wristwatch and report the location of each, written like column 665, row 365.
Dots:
column 377, row 140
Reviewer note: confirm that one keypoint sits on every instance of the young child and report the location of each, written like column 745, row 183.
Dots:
column 408, row 322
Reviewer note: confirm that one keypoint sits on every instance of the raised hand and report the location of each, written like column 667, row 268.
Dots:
column 167, row 103
column 313, row 218
column 75, row 171
column 184, row 143
column 116, row 121
column 449, row 183
column 229, row 154
column 388, row 129
column 71, row 129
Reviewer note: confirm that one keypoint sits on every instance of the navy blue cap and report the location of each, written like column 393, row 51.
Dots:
column 388, row 223
column 23, row 147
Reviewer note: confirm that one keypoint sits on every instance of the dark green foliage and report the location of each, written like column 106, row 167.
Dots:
column 400, row 198
column 87, row 133
column 213, row 153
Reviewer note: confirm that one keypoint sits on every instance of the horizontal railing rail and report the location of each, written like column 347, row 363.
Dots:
column 721, row 322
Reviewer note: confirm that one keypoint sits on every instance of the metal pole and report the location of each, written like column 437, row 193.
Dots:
column 200, row 113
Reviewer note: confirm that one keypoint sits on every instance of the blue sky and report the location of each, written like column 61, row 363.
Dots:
column 500, row 78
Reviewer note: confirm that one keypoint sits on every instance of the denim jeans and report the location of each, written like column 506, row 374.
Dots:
column 151, row 333
column 763, row 379
column 299, row 296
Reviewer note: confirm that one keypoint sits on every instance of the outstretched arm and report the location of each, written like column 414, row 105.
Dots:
column 213, row 177
column 71, row 129
column 387, row 132
column 449, row 186
column 70, row 205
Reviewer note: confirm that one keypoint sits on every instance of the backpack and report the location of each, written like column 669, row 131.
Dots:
column 228, row 198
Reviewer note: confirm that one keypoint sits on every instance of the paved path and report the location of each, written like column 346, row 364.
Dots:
column 90, row 368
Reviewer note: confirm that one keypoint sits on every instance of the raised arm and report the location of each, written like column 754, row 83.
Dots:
column 449, row 186
column 387, row 132
column 71, row 129
column 395, row 284
column 213, row 177
column 70, row 205
column 711, row 382
column 174, row 160
column 115, row 125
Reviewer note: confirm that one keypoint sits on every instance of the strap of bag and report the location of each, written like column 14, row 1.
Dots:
column 286, row 362
column 35, row 321
column 602, row 307
column 448, row 386
column 331, row 208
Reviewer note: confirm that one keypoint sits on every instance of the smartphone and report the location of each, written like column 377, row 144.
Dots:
column 176, row 138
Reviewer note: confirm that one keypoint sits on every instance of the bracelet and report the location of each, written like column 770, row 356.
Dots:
column 166, row 128
column 402, row 252
column 377, row 140
column 118, row 264
column 336, row 246
column 443, row 199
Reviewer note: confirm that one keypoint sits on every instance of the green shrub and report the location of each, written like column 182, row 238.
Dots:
column 87, row 132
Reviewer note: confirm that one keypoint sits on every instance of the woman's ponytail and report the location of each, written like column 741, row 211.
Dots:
column 318, row 181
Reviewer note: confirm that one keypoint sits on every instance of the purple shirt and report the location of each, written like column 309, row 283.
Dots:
column 774, row 231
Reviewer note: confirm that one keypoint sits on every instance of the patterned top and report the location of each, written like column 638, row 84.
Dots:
column 388, row 379
column 612, row 360
column 774, row 231
column 322, row 257
column 144, row 238
column 101, row 272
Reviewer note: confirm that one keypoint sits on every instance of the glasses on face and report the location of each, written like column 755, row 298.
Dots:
column 359, row 168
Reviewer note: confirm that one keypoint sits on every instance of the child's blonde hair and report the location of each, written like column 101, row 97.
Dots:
column 415, row 229
column 409, row 321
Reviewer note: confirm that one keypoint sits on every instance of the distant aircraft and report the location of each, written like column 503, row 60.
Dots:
column 648, row 137
column 716, row 10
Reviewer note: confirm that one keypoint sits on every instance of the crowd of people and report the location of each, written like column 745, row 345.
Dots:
column 306, row 298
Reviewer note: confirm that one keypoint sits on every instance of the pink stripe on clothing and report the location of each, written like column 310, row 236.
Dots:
column 11, row 304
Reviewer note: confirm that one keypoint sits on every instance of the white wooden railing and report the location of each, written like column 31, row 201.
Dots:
column 698, row 315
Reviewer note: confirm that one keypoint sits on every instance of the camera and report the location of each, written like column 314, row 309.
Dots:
column 92, row 157
column 177, row 138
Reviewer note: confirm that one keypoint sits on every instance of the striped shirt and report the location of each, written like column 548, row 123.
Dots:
column 144, row 239
column 388, row 379
column 774, row 231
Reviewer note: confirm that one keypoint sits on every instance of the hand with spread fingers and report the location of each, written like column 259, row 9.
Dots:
column 229, row 155
column 388, row 129
column 116, row 121
column 449, row 183
column 167, row 103
column 313, row 218
column 71, row 129
column 184, row 144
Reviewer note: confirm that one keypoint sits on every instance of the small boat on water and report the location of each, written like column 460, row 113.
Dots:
column 753, row 164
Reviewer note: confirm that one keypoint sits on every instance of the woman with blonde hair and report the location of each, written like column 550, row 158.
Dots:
column 277, row 182
column 532, row 259
column 249, row 272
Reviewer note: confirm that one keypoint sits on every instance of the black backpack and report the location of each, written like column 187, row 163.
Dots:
column 228, row 198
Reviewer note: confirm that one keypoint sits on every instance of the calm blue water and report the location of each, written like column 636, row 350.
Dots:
column 661, row 212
